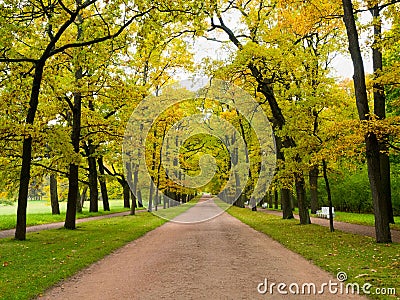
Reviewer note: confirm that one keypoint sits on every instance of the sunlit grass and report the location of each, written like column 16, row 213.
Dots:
column 39, row 212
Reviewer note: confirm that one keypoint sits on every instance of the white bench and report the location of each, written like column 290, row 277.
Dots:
column 324, row 212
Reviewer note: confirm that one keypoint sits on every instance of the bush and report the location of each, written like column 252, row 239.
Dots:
column 351, row 191
column 6, row 202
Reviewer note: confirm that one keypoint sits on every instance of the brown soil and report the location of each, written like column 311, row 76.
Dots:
column 220, row 258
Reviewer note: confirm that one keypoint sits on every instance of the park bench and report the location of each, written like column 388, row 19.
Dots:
column 324, row 212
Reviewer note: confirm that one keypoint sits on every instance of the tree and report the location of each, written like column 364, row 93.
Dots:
column 381, row 214
column 47, row 17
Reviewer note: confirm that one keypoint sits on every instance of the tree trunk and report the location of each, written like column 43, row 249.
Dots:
column 103, row 185
column 73, row 177
column 25, row 174
column 286, row 204
column 93, row 185
column 276, row 204
column 139, row 196
column 380, row 111
column 128, row 167
column 135, row 183
column 81, row 198
column 328, row 191
column 126, row 192
column 382, row 228
column 270, row 201
column 150, row 206
column 301, row 200
column 55, row 207
column 313, row 177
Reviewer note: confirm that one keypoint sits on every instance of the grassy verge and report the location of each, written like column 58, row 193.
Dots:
column 362, row 219
column 28, row 268
column 40, row 213
column 355, row 218
column 360, row 257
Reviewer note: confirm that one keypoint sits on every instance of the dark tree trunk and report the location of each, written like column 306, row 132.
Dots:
column 140, row 200
column 380, row 111
column 286, row 204
column 81, row 198
column 270, row 201
column 135, row 183
column 276, row 199
column 25, row 174
column 150, row 206
column 382, row 227
column 93, row 186
column 313, row 177
column 79, row 201
column 73, row 177
column 128, row 167
column 103, row 185
column 301, row 200
column 126, row 192
column 55, row 207
column 328, row 191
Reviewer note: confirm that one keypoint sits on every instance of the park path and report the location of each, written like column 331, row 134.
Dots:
column 220, row 258
column 343, row 226
column 11, row 232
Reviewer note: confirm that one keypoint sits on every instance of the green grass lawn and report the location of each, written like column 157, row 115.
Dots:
column 355, row 218
column 360, row 257
column 28, row 268
column 39, row 212
column 362, row 219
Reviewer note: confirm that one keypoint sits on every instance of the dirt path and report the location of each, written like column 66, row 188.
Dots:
column 346, row 227
column 11, row 232
column 221, row 258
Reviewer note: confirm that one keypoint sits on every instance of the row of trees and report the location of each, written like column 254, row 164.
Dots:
column 73, row 72
column 284, row 52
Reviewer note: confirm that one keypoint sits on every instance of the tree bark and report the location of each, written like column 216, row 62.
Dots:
column 270, row 199
column 382, row 228
column 313, row 177
column 55, row 207
column 286, row 204
column 139, row 196
column 150, row 206
column 135, row 183
column 103, row 185
column 301, row 200
column 380, row 111
column 128, row 168
column 25, row 174
column 276, row 205
column 328, row 191
column 93, row 185
column 126, row 192
column 73, row 177
column 81, row 198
